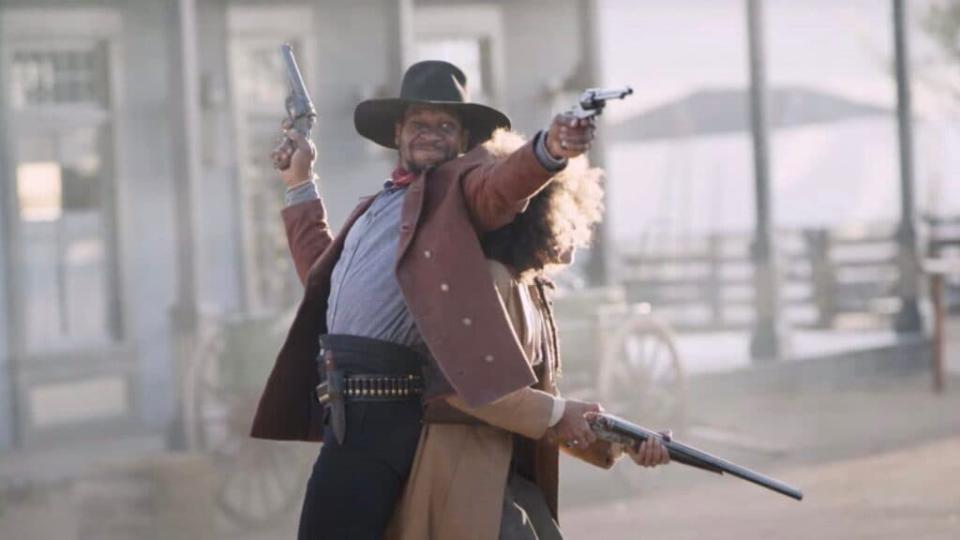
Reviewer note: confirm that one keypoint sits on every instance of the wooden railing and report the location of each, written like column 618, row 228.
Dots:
column 944, row 241
column 829, row 277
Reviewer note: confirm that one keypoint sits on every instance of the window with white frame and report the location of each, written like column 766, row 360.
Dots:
column 58, row 76
column 60, row 106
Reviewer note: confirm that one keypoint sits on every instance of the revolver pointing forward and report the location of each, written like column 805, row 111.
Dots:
column 571, row 132
column 593, row 100
column 300, row 109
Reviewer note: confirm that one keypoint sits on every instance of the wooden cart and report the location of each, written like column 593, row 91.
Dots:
column 257, row 480
column 621, row 355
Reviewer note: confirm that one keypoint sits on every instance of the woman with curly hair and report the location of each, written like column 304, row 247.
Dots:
column 477, row 475
column 559, row 219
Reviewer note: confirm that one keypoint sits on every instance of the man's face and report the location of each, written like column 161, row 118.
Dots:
column 429, row 136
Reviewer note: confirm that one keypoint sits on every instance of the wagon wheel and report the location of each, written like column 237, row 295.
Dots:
column 256, row 480
column 641, row 376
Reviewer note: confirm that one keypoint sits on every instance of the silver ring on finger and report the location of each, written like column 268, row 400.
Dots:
column 573, row 443
column 563, row 144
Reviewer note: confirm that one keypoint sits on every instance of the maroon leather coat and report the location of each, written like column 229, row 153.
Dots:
column 443, row 276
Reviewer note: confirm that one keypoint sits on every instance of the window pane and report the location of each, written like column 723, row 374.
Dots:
column 58, row 77
column 63, row 240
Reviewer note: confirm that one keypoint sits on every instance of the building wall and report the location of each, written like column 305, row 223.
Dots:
column 144, row 212
column 7, row 400
column 342, row 68
column 541, row 49
column 543, row 44
column 351, row 66
column 146, row 198
column 218, row 256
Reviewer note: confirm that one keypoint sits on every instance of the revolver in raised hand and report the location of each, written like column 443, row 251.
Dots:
column 593, row 100
column 299, row 107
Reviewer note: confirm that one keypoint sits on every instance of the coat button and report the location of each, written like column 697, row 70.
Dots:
column 427, row 254
column 488, row 358
column 404, row 227
column 444, row 287
column 467, row 321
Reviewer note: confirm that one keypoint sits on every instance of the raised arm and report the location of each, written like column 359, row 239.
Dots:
column 308, row 234
column 304, row 217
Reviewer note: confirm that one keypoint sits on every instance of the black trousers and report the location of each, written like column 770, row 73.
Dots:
column 355, row 486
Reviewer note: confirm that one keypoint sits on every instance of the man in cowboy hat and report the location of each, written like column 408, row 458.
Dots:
column 399, row 306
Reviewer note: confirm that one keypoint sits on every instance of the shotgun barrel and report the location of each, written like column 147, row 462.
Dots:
column 615, row 429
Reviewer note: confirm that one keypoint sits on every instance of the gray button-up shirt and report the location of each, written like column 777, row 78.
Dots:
column 365, row 297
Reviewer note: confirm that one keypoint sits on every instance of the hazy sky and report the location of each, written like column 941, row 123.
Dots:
column 667, row 49
column 821, row 174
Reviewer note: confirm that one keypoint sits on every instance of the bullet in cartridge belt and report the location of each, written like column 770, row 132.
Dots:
column 376, row 388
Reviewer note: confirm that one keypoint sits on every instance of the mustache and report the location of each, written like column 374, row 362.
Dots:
column 430, row 146
column 447, row 151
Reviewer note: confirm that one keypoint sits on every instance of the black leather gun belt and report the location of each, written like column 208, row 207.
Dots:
column 355, row 368
column 375, row 388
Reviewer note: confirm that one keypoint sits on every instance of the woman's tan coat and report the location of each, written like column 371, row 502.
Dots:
column 459, row 474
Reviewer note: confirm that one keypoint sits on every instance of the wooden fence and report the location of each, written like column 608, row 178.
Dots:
column 944, row 241
column 829, row 277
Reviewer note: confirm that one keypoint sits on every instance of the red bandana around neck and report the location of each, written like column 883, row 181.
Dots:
column 401, row 177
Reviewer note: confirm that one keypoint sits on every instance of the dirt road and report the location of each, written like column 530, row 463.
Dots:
column 909, row 493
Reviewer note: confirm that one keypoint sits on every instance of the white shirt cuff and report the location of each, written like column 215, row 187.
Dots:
column 559, row 405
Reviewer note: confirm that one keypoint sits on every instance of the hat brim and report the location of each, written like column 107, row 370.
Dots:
column 375, row 119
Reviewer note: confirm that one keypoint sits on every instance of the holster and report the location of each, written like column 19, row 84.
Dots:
column 330, row 393
column 359, row 369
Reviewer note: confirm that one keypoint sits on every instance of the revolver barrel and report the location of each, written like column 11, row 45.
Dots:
column 299, row 105
column 595, row 98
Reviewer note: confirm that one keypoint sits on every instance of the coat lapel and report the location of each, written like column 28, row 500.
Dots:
column 410, row 214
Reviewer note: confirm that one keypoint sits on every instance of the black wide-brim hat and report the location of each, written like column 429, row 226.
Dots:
column 431, row 82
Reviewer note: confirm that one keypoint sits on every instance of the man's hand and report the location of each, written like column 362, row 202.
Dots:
column 651, row 452
column 294, row 156
column 572, row 430
column 569, row 136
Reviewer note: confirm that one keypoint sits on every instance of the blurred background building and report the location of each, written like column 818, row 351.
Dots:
column 137, row 191
column 136, row 181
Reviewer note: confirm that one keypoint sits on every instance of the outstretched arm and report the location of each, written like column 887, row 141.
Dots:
column 499, row 190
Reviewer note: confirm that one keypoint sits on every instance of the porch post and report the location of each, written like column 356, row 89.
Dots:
column 767, row 339
column 908, row 319
column 185, row 111
column 9, row 415
column 598, row 269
